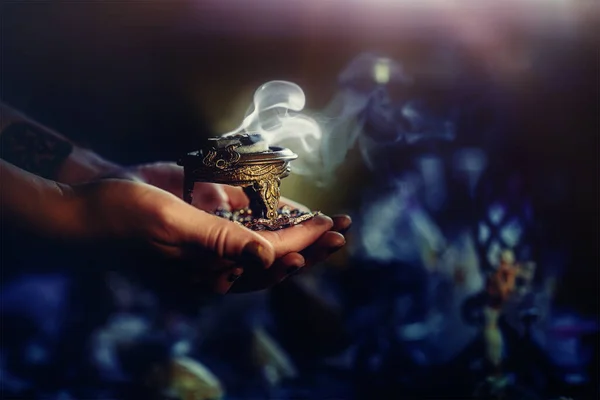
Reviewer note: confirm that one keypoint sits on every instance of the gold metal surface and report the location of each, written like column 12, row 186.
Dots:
column 259, row 174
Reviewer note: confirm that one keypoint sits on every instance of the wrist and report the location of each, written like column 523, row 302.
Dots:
column 38, row 206
column 44, row 152
column 101, row 210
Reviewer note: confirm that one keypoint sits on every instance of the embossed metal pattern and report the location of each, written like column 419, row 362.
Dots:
column 259, row 174
column 286, row 218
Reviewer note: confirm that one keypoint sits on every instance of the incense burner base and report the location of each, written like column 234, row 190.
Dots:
column 226, row 160
column 286, row 217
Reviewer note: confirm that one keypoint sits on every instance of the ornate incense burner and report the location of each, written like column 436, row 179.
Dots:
column 246, row 161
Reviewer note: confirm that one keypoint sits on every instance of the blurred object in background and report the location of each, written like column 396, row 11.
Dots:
column 191, row 380
column 271, row 358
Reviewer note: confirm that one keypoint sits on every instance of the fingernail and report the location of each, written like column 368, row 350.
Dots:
column 233, row 277
column 346, row 229
column 322, row 219
column 344, row 218
column 253, row 255
column 335, row 248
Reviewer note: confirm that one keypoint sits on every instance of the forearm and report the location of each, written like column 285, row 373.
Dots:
column 43, row 152
column 38, row 206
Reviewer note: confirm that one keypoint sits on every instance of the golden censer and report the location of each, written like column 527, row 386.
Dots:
column 245, row 160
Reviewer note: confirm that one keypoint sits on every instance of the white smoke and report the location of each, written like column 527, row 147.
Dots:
column 276, row 115
column 323, row 140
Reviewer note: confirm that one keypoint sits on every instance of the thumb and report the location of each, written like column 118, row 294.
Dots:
column 229, row 240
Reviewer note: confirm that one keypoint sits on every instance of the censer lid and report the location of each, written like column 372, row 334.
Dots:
column 241, row 140
column 234, row 145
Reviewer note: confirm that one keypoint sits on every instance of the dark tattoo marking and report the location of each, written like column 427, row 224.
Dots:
column 34, row 150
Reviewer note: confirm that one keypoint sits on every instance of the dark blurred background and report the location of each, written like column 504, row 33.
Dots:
column 143, row 81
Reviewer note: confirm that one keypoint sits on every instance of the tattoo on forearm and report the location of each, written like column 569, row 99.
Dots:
column 34, row 150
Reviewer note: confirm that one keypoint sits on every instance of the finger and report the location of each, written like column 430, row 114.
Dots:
column 286, row 266
column 227, row 279
column 170, row 177
column 260, row 280
column 210, row 197
column 283, row 201
column 224, row 238
column 341, row 223
column 325, row 246
column 296, row 238
column 236, row 197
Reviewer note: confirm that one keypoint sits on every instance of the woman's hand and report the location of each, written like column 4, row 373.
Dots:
column 210, row 196
column 217, row 250
column 127, row 213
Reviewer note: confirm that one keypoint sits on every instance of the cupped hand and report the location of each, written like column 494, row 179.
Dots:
column 210, row 196
column 214, row 250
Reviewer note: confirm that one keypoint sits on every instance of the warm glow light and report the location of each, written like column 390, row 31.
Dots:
column 381, row 71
